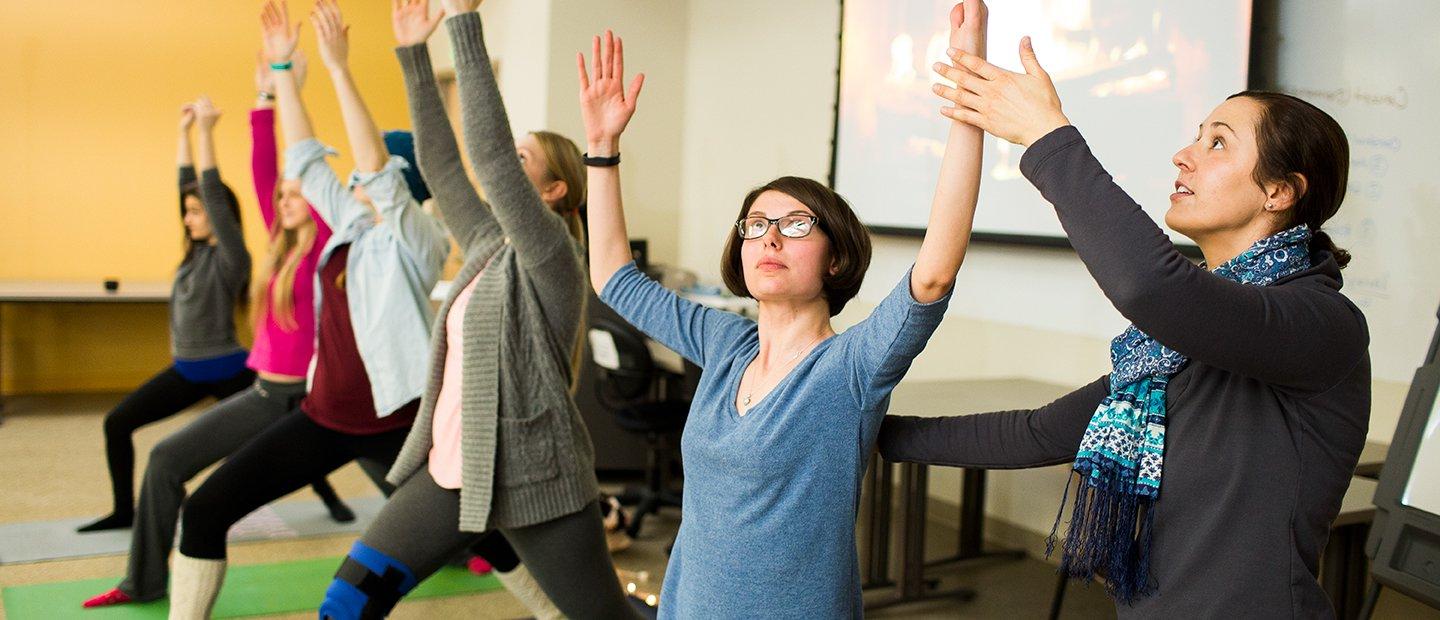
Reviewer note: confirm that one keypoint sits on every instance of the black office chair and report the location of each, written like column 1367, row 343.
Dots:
column 627, row 386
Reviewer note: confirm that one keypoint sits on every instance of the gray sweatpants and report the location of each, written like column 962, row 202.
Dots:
column 176, row 459
column 567, row 556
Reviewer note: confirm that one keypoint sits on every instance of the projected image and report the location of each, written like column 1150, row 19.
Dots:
column 1423, row 489
column 1135, row 76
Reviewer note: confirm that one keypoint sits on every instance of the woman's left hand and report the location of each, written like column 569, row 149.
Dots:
column 206, row 114
column 332, row 33
column 1017, row 107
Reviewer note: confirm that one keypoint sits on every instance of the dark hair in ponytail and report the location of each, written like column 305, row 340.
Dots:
column 1301, row 145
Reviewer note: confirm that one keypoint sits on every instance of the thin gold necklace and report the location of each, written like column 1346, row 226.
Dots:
column 786, row 364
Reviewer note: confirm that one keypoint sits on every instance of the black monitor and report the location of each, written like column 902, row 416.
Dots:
column 1404, row 543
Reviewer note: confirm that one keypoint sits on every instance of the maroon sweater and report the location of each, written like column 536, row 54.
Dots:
column 339, row 397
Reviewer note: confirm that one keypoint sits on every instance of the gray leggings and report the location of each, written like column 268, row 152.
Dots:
column 214, row 435
column 567, row 556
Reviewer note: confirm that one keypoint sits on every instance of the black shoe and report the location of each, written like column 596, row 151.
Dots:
column 110, row 522
column 339, row 512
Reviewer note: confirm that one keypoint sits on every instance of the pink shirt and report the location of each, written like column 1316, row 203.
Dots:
column 277, row 350
column 445, row 425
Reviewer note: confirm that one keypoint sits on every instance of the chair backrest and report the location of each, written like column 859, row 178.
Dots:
column 626, row 370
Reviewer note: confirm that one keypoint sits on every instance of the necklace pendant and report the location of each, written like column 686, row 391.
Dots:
column 747, row 400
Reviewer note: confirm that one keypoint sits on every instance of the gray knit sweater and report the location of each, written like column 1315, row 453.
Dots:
column 210, row 280
column 526, row 455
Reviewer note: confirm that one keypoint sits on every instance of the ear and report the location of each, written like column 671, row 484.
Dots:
column 554, row 191
column 1282, row 195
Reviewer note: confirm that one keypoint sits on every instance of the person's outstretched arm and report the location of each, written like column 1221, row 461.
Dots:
column 184, row 160
column 264, row 153
column 606, row 106
column 538, row 235
column 952, row 212
column 1297, row 337
column 224, row 226
column 466, row 215
column 332, row 33
column 418, row 232
column 1000, row 440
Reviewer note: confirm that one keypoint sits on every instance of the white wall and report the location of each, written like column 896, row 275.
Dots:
column 742, row 91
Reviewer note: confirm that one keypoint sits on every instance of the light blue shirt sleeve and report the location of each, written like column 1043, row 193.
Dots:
column 305, row 160
column 418, row 232
column 883, row 346
column 698, row 333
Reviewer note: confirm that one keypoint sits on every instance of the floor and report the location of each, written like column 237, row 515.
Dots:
column 52, row 467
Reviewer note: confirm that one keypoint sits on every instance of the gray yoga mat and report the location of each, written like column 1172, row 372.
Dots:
column 57, row 540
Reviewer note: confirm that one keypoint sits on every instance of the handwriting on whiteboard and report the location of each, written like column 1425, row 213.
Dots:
column 1395, row 97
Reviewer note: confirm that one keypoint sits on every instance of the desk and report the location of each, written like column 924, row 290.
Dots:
column 935, row 399
column 1372, row 459
column 43, row 292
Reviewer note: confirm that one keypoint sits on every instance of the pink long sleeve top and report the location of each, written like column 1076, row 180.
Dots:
column 276, row 349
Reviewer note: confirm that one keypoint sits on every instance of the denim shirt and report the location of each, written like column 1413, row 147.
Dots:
column 397, row 251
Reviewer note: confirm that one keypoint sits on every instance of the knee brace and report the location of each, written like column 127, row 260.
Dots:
column 368, row 585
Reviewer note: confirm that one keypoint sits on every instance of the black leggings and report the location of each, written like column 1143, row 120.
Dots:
column 164, row 395
column 282, row 459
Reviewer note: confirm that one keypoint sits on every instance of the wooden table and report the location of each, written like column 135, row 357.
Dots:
column 50, row 292
column 934, row 399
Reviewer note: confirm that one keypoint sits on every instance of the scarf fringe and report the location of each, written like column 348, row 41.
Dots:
column 1108, row 535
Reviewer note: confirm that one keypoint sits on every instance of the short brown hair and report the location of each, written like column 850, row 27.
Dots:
column 849, row 239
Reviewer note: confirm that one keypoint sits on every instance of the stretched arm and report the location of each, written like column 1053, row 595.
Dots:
column 952, row 213
column 334, row 40
column 606, row 107
column 1306, row 338
column 1000, row 440
column 229, row 239
column 468, row 218
column 537, row 234
column 280, row 38
column 184, row 161
column 264, row 153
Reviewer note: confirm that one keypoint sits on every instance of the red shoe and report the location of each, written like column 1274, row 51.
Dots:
column 113, row 597
column 479, row 565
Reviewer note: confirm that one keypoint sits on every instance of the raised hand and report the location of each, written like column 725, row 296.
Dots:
column 968, row 23
column 206, row 114
column 605, row 104
column 279, row 38
column 458, row 7
column 187, row 117
column 332, row 33
column 412, row 21
column 1017, row 107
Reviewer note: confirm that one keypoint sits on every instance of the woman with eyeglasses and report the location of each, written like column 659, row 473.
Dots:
column 787, row 411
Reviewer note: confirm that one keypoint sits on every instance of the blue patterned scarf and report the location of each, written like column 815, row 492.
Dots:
column 1122, row 453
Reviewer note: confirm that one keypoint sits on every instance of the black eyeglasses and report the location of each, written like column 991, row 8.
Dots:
column 793, row 226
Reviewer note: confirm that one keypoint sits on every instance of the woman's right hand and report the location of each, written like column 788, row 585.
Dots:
column 276, row 33
column 605, row 104
column 412, row 21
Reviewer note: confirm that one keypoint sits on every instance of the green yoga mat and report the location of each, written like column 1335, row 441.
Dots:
column 254, row 590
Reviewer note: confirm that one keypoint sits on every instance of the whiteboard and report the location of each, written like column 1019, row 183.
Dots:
column 1375, row 66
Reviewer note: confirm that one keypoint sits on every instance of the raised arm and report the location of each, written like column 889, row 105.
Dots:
column 952, row 212
column 1000, row 440
column 224, row 226
column 184, row 160
column 280, row 38
column 1306, row 338
column 468, row 218
column 537, row 233
column 606, row 107
column 264, row 153
column 333, row 36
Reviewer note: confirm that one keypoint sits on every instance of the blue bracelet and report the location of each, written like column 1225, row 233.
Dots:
column 281, row 66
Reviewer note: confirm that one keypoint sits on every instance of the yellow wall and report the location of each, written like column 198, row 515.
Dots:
column 87, row 123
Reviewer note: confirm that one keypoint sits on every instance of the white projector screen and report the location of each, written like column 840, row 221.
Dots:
column 1136, row 76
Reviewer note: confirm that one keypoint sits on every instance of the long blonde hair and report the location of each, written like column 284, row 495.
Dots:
column 564, row 163
column 274, row 290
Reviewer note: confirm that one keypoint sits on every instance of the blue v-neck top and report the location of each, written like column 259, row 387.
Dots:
column 768, row 516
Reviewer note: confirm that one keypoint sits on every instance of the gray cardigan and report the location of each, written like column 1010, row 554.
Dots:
column 1265, row 423
column 526, row 455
